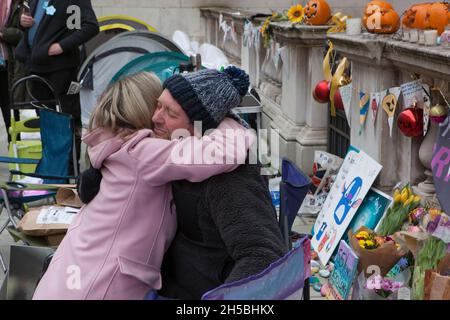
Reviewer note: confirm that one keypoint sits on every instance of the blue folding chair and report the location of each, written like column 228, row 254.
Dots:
column 58, row 148
column 285, row 279
column 294, row 187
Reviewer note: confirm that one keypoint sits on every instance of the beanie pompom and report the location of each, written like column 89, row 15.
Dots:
column 239, row 78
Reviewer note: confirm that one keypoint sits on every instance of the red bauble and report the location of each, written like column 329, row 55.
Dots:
column 322, row 92
column 338, row 100
column 410, row 122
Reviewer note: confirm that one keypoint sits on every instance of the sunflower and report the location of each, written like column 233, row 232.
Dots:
column 296, row 14
column 265, row 26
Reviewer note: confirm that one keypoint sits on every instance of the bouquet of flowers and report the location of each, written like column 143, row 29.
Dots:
column 383, row 287
column 405, row 202
column 369, row 240
column 374, row 250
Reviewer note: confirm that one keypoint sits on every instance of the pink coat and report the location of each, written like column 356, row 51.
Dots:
column 115, row 245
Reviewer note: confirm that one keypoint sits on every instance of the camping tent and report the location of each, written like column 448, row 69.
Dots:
column 163, row 64
column 110, row 26
column 101, row 66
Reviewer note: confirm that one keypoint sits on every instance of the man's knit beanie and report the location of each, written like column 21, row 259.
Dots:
column 209, row 95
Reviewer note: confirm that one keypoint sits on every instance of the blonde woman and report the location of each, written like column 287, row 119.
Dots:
column 115, row 245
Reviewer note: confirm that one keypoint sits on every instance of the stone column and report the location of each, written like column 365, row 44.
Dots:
column 302, row 122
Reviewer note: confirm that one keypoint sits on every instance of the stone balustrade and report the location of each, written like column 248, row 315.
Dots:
column 379, row 63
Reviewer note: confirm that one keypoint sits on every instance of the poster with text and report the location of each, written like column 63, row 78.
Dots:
column 354, row 180
column 440, row 165
column 344, row 272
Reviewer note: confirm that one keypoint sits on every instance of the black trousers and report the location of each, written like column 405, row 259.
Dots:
column 60, row 80
column 4, row 98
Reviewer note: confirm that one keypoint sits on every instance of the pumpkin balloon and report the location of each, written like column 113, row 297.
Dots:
column 410, row 122
column 321, row 92
column 380, row 17
column 427, row 16
column 317, row 12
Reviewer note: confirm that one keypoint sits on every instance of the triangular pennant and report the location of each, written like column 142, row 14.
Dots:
column 389, row 104
column 364, row 102
column 346, row 95
column 374, row 104
column 426, row 108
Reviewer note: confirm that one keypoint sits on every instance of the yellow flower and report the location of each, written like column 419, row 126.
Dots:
column 265, row 26
column 434, row 212
column 417, row 199
column 296, row 13
column 406, row 203
column 398, row 198
column 370, row 243
column 405, row 195
column 363, row 234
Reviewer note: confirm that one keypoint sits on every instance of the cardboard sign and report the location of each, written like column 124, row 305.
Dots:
column 356, row 176
column 344, row 272
column 441, row 166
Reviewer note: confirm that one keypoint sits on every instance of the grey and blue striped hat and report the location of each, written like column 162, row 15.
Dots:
column 209, row 95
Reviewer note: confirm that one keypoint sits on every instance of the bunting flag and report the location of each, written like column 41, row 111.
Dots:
column 426, row 108
column 346, row 94
column 364, row 102
column 389, row 104
column 374, row 104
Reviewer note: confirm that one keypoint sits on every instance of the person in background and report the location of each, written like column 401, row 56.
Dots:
column 51, row 50
column 10, row 69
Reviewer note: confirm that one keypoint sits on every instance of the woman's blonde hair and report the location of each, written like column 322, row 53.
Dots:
column 128, row 105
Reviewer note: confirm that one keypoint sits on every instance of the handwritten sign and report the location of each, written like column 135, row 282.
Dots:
column 344, row 272
column 413, row 92
column 346, row 94
column 440, row 164
column 356, row 176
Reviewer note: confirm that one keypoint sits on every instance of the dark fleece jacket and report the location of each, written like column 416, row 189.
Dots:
column 227, row 230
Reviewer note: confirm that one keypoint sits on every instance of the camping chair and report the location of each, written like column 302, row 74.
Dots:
column 58, row 147
column 285, row 279
column 26, row 267
column 294, row 187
